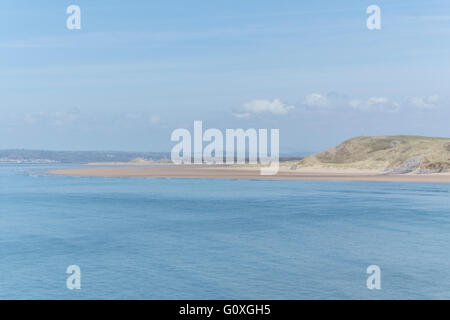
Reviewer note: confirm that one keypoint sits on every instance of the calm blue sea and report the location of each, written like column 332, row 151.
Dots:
column 220, row 239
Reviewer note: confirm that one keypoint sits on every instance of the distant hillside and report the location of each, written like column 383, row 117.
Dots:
column 79, row 157
column 395, row 154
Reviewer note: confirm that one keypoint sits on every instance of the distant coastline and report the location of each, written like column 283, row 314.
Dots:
column 77, row 157
column 382, row 158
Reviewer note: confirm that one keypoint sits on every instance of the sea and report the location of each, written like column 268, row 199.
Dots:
column 156, row 238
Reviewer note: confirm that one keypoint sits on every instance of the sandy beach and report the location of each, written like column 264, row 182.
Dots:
column 249, row 173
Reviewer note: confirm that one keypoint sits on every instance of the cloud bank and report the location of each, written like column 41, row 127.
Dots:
column 333, row 102
column 275, row 107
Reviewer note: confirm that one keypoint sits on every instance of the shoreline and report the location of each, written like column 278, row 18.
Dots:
column 246, row 173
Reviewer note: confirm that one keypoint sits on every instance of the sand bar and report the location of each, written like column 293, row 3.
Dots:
column 249, row 174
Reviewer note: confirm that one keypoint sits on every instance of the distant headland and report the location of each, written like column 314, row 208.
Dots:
column 392, row 154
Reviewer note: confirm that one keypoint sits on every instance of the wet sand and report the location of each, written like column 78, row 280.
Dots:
column 247, row 173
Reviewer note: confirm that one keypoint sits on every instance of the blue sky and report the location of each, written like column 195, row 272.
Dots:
column 137, row 70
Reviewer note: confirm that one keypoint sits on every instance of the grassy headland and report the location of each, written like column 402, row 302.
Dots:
column 394, row 154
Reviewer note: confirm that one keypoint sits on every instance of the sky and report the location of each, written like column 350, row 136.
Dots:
column 137, row 70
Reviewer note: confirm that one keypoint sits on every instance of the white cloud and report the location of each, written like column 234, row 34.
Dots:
column 132, row 116
column 375, row 104
column 64, row 118
column 141, row 117
column 325, row 103
column 367, row 104
column 275, row 107
column 242, row 115
column 60, row 118
column 155, row 119
column 430, row 102
column 317, row 100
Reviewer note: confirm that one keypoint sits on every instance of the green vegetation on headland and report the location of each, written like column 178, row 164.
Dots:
column 394, row 154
